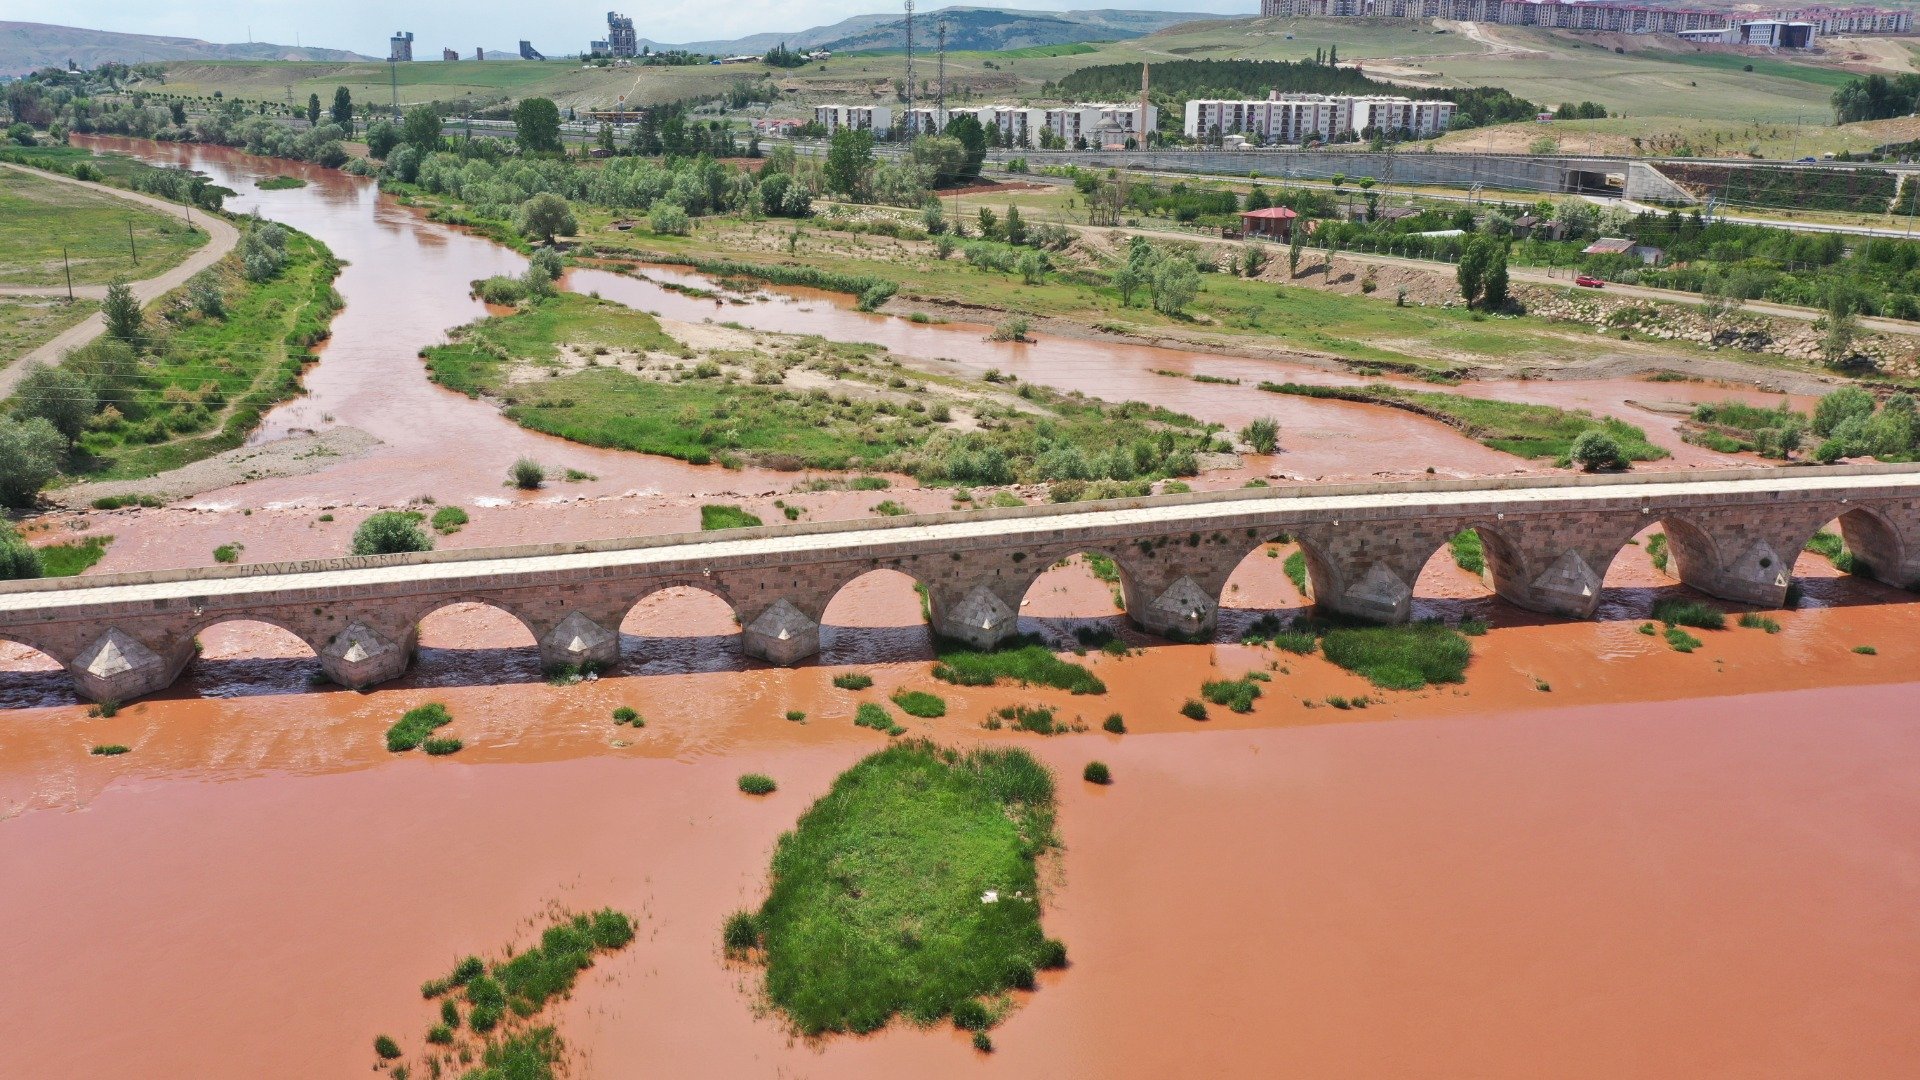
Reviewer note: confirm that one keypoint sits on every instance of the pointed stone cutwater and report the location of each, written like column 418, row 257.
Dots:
column 980, row 619
column 1758, row 576
column 1568, row 587
column 1185, row 611
column 1379, row 594
column 359, row 657
column 576, row 642
column 783, row 634
column 118, row 668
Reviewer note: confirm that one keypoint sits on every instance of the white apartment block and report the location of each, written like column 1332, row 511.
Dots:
column 1100, row 126
column 917, row 122
column 875, row 118
column 1290, row 119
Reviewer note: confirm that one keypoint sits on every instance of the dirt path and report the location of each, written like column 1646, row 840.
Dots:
column 223, row 237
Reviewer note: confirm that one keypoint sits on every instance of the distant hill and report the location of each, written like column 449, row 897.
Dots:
column 968, row 28
column 26, row 47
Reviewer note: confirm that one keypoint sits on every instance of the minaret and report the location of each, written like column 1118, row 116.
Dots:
column 910, row 63
column 940, row 99
column 1143, row 105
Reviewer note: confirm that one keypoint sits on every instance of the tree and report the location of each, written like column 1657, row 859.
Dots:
column 342, row 111
column 546, row 215
column 669, row 219
column 1128, row 280
column 1595, row 450
column 1175, row 283
column 313, row 109
column 29, row 457
column 1836, row 347
column 943, row 156
column 536, row 125
column 966, row 127
column 1015, row 229
column 850, row 163
column 1493, row 283
column 59, row 396
column 421, row 129
column 382, row 137
column 1262, row 434
column 1472, row 271
column 391, row 532
column 178, row 111
column 124, row 319
column 1296, row 243
column 1033, row 268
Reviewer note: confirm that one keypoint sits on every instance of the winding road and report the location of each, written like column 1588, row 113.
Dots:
column 222, row 238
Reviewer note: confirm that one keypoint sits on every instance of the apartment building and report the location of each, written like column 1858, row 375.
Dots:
column 1290, row 119
column 875, row 118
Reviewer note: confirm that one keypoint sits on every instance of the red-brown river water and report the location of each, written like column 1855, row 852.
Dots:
column 1597, row 858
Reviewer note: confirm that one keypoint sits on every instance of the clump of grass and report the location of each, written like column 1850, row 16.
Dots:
column 1035, row 718
column 534, row 1053
column 1023, row 660
column 1648, row 629
column 1097, row 772
column 754, row 783
column 448, row 519
column 440, row 1035
column 1400, row 657
column 853, row 680
column 385, row 1047
column 1681, row 640
column 73, row 557
column 1115, row 724
column 449, row 1014
column 889, row 508
column 1753, row 620
column 108, row 709
column 871, row 715
column 920, row 703
column 939, row 848
column 527, row 474
column 1473, row 627
column 1677, row 611
column 442, row 747
column 1866, row 650
column 415, row 725
column 1194, row 709
column 1468, row 554
column 796, row 716
column 714, row 516
column 740, row 932
column 1657, row 551
column 109, row 750
column 228, row 553
column 1296, row 567
column 627, row 714
column 869, row 483
column 1235, row 694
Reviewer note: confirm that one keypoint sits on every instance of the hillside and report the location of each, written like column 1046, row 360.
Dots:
column 26, row 47
column 968, row 29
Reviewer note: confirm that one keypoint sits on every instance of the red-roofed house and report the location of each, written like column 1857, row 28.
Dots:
column 1275, row 222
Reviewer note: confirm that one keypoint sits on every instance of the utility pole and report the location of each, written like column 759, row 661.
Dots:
column 910, row 64
column 135, row 252
column 393, row 74
column 940, row 101
column 68, row 267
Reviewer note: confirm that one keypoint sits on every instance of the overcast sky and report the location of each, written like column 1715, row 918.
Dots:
column 554, row 26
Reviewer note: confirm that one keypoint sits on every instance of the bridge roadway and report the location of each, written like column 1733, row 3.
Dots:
column 1731, row 533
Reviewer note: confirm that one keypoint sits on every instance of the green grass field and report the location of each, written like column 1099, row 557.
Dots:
column 42, row 217
column 26, row 323
column 1524, row 430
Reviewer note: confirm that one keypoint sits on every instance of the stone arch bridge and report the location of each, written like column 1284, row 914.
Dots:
column 1732, row 534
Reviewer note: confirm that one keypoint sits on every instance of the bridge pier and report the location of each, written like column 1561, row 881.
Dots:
column 980, row 616
column 360, row 657
column 781, row 634
column 118, row 667
column 577, row 642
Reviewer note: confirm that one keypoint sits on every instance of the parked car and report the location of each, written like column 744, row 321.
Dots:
column 1586, row 282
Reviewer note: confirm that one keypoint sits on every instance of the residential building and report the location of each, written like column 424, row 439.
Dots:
column 622, row 42
column 875, row 118
column 400, row 46
column 918, row 121
column 1291, row 119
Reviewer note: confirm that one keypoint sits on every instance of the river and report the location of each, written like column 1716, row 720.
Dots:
column 1597, row 858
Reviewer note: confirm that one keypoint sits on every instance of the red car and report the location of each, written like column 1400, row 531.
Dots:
column 1586, row 282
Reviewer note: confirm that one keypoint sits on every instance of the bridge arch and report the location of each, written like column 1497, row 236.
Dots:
column 1874, row 540
column 1087, row 590
column 32, row 676
column 1465, row 569
column 681, row 625
column 472, row 637
column 879, row 615
column 224, row 668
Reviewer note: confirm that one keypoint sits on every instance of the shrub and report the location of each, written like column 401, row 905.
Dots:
column 116, row 749
column 416, row 725
column 1194, row 709
column 1262, row 434
column 740, row 932
column 484, row 1018
column 1866, row 650
column 18, row 559
column 1053, row 955
column 669, row 220
column 920, row 703
column 796, row 716
column 1595, row 450
column 853, row 680
column 448, row 519
column 1013, row 329
column 527, row 474
column 626, row 714
column 1468, row 554
column 754, row 783
column 449, row 1013
column 1115, row 724
column 1097, row 772
column 468, row 969
column 391, row 532
column 386, row 1048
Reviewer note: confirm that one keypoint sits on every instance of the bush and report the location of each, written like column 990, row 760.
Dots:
column 754, row 783
column 18, row 559
column 1866, row 650
column 983, row 1042
column 1753, row 620
column 109, row 750
column 1115, row 724
column 30, row 452
column 1262, row 434
column 527, row 474
column 1194, row 709
column 920, row 703
column 386, row 1048
column 853, row 680
column 669, row 220
column 1681, row 640
column 1596, row 451
column 448, row 519
column 626, row 714
column 1097, row 772
column 391, row 532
